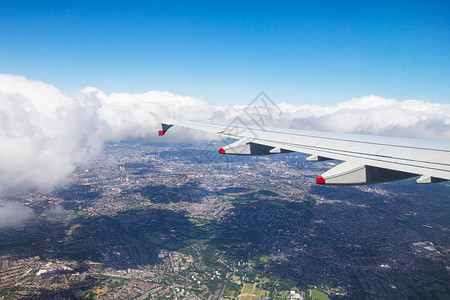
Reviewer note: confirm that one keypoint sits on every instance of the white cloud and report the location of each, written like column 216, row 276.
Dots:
column 56, row 210
column 13, row 214
column 126, row 116
column 374, row 115
column 45, row 134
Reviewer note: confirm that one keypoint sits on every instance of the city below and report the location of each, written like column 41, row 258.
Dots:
column 159, row 221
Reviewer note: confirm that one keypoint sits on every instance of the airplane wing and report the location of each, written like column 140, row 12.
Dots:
column 366, row 159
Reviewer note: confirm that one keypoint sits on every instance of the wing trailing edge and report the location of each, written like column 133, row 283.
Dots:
column 354, row 173
column 246, row 147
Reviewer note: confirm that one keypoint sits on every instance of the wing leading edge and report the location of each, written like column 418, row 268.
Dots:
column 366, row 159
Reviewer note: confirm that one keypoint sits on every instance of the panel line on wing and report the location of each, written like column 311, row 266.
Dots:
column 272, row 130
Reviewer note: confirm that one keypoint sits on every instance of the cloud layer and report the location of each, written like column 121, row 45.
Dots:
column 13, row 214
column 45, row 135
column 126, row 115
column 373, row 115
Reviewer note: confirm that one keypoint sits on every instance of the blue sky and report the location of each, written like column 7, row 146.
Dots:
column 302, row 52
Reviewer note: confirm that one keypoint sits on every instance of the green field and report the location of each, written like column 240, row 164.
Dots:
column 248, row 288
column 101, row 287
column 66, row 216
column 315, row 294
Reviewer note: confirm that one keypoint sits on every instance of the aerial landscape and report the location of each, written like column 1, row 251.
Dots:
column 150, row 221
column 233, row 150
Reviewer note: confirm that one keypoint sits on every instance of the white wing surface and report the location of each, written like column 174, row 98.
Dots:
column 366, row 159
